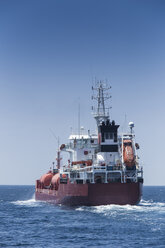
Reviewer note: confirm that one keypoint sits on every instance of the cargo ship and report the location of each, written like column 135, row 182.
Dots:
column 103, row 168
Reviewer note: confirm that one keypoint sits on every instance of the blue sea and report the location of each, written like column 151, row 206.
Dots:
column 25, row 222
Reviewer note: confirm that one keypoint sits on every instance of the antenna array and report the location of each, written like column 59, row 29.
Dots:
column 101, row 94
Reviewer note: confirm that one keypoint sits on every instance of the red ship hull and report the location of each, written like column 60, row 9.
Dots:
column 92, row 194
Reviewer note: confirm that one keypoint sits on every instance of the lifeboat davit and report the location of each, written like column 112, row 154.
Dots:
column 55, row 181
column 128, row 153
column 46, row 179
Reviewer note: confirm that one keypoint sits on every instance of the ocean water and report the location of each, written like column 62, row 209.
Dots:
column 27, row 223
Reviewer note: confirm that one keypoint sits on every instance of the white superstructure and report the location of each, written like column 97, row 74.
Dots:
column 106, row 156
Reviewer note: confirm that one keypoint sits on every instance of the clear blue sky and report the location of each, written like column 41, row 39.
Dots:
column 49, row 53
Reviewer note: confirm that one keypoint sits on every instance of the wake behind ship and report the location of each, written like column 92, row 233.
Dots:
column 103, row 168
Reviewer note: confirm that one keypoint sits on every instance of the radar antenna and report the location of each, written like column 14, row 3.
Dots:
column 101, row 113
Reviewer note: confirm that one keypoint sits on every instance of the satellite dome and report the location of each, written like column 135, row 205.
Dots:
column 131, row 124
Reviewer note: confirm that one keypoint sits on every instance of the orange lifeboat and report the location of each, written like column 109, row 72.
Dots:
column 128, row 153
column 46, row 179
column 55, row 181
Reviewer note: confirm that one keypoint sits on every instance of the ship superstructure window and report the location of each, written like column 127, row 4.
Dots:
column 106, row 135
column 109, row 136
column 115, row 137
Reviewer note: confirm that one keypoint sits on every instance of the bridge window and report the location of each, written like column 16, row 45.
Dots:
column 102, row 138
column 109, row 136
column 115, row 137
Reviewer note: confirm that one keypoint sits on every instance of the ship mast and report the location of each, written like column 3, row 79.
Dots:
column 101, row 114
column 58, row 155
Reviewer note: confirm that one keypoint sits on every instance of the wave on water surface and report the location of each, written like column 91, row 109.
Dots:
column 143, row 206
column 30, row 202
